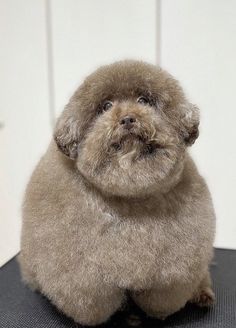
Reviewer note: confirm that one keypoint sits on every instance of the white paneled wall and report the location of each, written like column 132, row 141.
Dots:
column 48, row 47
column 198, row 46
column 87, row 34
column 24, row 109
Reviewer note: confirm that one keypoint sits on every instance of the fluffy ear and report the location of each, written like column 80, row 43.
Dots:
column 189, row 123
column 66, row 133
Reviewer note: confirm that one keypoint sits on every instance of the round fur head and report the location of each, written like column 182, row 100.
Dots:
column 127, row 128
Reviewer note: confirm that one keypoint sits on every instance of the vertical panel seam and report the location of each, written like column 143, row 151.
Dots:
column 50, row 63
column 158, row 32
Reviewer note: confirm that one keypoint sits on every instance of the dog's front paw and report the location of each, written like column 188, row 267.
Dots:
column 204, row 298
column 158, row 314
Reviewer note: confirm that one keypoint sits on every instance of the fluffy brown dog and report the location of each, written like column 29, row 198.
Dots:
column 125, row 211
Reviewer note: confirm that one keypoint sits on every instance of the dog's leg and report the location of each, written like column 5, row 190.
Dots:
column 90, row 306
column 27, row 273
column 160, row 303
column 204, row 296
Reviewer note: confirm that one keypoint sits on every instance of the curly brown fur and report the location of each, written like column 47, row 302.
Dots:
column 116, row 204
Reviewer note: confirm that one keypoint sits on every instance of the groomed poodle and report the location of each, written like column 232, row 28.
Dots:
column 116, row 205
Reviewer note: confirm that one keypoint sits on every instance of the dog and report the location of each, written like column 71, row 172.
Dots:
column 116, row 205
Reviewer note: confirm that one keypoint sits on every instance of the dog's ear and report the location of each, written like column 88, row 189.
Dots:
column 189, row 123
column 66, row 133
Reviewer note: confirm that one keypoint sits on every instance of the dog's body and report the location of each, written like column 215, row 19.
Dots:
column 126, row 210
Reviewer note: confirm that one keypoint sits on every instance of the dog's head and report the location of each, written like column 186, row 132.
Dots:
column 127, row 128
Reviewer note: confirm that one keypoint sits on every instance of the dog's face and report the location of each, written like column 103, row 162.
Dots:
column 127, row 128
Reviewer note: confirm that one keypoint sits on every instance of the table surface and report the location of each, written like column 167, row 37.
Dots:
column 22, row 308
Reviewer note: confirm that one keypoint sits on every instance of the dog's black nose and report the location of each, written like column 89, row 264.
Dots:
column 127, row 122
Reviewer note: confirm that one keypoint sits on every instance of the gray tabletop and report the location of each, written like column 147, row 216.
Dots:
column 22, row 308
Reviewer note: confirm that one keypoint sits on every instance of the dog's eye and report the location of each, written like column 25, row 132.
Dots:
column 107, row 105
column 143, row 100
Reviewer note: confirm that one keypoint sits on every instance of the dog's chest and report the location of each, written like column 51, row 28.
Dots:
column 133, row 252
column 125, row 253
column 128, row 236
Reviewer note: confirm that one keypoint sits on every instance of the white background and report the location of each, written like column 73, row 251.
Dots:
column 48, row 47
column 198, row 46
column 24, row 109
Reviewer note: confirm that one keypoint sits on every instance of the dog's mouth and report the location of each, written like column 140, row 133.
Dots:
column 132, row 141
